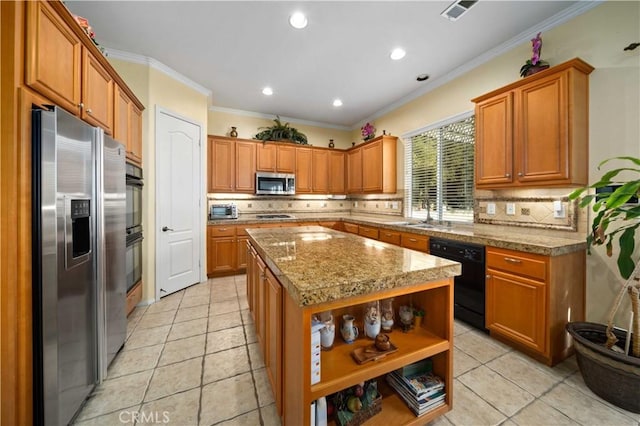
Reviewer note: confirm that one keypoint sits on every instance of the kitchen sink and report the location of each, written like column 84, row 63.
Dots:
column 421, row 225
column 399, row 223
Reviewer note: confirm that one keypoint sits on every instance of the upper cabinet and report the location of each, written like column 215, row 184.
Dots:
column 372, row 166
column 337, row 176
column 534, row 133
column 231, row 165
column 63, row 65
column 277, row 158
column 127, row 125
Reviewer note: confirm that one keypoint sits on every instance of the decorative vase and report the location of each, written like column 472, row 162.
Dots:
column 353, row 144
column 406, row 317
column 535, row 69
column 331, row 144
column 349, row 331
column 328, row 332
column 386, row 311
column 372, row 323
column 233, row 133
column 417, row 321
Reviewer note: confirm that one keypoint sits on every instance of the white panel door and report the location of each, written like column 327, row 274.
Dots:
column 178, row 178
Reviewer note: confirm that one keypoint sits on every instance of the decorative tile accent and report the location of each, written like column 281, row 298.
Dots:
column 530, row 212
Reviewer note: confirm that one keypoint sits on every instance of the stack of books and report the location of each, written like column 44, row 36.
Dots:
column 420, row 389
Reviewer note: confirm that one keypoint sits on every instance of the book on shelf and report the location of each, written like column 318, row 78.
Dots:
column 418, row 405
column 422, row 366
column 420, row 383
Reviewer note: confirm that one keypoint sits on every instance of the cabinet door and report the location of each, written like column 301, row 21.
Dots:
column 286, row 159
column 515, row 308
column 350, row 227
column 221, row 167
column 135, row 134
column 542, row 140
column 369, row 232
column 266, row 157
column 245, row 167
column 320, row 171
column 221, row 254
column 303, row 170
column 250, row 254
column 354, row 170
column 273, row 354
column 53, row 57
column 97, row 93
column 336, row 172
column 372, row 173
column 261, row 311
column 241, row 256
column 494, row 141
column 121, row 117
column 390, row 237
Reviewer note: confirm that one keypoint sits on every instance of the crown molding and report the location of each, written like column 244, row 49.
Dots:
column 159, row 66
column 270, row 117
column 577, row 9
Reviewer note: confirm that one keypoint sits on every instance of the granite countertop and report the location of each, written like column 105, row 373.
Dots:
column 533, row 241
column 317, row 264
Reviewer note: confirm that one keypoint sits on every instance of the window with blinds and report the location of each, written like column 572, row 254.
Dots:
column 439, row 171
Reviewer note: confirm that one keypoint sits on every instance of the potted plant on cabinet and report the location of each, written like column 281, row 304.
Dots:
column 281, row 132
column 609, row 368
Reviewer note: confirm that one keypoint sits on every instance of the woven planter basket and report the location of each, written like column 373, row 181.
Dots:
column 612, row 376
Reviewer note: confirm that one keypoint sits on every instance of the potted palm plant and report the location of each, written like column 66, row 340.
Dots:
column 281, row 132
column 609, row 358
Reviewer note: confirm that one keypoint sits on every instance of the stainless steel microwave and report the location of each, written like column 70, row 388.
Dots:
column 275, row 183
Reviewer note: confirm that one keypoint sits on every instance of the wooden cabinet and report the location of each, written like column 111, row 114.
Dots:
column 354, row 171
column 232, row 165
column 530, row 298
column 276, row 158
column 338, row 226
column 221, row 249
column 54, row 55
column 390, row 237
column 304, row 184
column 351, row 228
column 58, row 66
column 273, row 336
column 245, row 158
column 368, row 231
column 414, row 241
column 372, row 166
column 535, row 132
column 320, row 171
column 97, row 93
column 337, row 176
column 127, row 125
column 241, row 254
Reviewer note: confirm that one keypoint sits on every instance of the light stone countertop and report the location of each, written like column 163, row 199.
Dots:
column 317, row 264
column 544, row 242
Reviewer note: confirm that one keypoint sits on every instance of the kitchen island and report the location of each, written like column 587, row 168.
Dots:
column 296, row 273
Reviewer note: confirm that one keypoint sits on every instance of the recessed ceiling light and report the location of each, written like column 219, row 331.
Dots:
column 298, row 20
column 337, row 102
column 422, row 77
column 397, row 54
column 267, row 91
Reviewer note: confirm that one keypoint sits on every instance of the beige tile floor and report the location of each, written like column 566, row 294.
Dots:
column 192, row 359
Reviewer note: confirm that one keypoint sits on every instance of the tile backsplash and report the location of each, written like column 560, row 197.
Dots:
column 528, row 212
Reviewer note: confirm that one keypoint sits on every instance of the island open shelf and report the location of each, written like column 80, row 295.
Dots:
column 281, row 310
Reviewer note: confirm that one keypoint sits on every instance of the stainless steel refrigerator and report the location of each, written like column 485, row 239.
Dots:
column 79, row 282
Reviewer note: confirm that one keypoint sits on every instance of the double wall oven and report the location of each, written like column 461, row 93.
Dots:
column 134, row 225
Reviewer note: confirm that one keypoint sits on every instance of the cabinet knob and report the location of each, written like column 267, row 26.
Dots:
column 507, row 175
column 88, row 110
column 488, row 277
column 519, row 173
column 80, row 105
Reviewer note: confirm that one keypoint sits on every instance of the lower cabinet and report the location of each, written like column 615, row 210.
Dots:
column 368, row 231
column 351, row 228
column 414, row 242
column 273, row 336
column 390, row 237
column 221, row 249
column 530, row 298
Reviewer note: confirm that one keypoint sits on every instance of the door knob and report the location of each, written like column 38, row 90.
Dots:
column 165, row 229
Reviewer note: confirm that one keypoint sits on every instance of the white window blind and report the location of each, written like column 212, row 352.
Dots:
column 439, row 172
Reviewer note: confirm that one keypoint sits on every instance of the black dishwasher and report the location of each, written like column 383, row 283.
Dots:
column 469, row 287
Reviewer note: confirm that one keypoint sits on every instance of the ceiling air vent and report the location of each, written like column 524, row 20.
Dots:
column 457, row 9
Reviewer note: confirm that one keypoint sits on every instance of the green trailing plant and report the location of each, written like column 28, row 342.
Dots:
column 617, row 220
column 281, row 132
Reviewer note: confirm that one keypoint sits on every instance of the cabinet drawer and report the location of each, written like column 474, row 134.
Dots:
column 221, row 231
column 389, row 237
column 415, row 242
column 365, row 231
column 351, row 227
column 241, row 231
column 523, row 264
